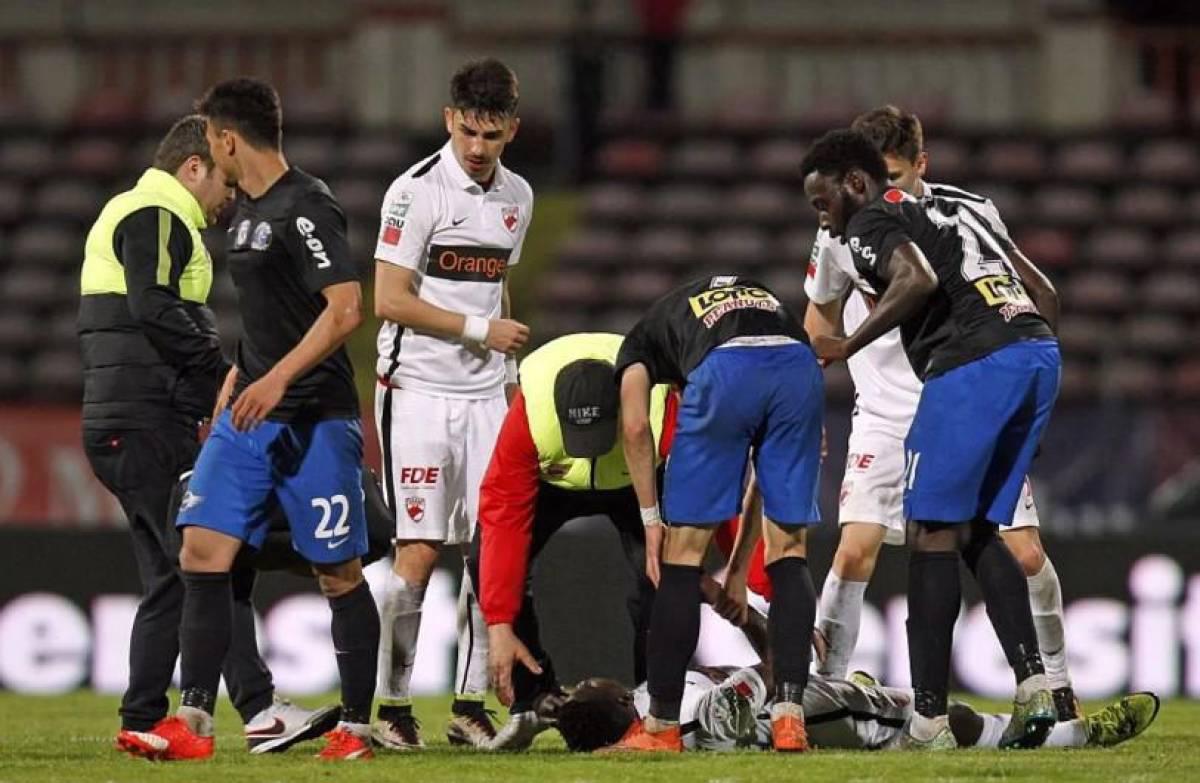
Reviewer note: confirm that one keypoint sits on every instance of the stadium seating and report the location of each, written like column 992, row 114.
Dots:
column 664, row 206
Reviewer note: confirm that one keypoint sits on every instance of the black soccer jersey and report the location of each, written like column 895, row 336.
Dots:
column 679, row 330
column 980, row 304
column 283, row 249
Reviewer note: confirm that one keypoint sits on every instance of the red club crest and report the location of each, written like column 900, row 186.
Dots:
column 511, row 217
column 894, row 196
column 415, row 508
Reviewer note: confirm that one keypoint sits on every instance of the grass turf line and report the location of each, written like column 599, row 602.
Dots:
column 69, row 738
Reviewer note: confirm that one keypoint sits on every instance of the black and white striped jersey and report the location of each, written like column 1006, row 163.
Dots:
column 980, row 304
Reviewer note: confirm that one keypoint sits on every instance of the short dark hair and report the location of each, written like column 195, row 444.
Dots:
column 594, row 717
column 892, row 131
column 185, row 139
column 838, row 151
column 249, row 106
column 487, row 88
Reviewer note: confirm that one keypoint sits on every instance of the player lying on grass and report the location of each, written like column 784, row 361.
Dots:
column 727, row 708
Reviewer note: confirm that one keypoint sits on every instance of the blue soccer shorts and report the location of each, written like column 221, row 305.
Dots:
column 975, row 433
column 761, row 402
column 312, row 468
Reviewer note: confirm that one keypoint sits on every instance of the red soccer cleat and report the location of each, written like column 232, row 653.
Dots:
column 171, row 739
column 638, row 740
column 342, row 744
column 788, row 734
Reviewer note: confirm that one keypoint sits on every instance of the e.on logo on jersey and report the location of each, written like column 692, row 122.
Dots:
column 417, row 476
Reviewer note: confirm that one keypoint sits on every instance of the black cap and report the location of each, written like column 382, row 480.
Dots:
column 586, row 400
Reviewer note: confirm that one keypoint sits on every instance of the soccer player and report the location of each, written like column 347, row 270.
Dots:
column 558, row 457
column 152, row 368
column 726, row 708
column 974, row 334
column 886, row 394
column 751, row 391
column 288, row 426
column 452, row 225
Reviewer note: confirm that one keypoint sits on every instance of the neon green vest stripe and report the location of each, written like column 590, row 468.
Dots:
column 538, row 373
column 103, row 272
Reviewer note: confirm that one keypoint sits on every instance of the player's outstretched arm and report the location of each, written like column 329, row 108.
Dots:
column 1039, row 286
column 823, row 319
column 341, row 316
column 397, row 301
column 911, row 281
column 735, row 607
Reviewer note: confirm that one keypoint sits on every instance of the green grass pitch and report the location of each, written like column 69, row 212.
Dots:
column 69, row 738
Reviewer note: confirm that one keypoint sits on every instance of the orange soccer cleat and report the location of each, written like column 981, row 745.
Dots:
column 342, row 744
column 788, row 734
column 171, row 739
column 638, row 740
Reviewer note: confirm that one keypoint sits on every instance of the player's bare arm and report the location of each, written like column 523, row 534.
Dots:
column 638, row 443
column 396, row 300
column 510, row 367
column 1040, row 289
column 341, row 316
column 823, row 319
column 911, row 281
column 734, row 606
column 226, row 392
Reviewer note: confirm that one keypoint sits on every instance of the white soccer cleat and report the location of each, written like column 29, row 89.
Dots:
column 284, row 724
column 401, row 733
column 520, row 731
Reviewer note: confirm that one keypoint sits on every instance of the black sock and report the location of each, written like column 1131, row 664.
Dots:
column 1006, row 595
column 790, row 626
column 934, row 599
column 355, row 630
column 466, row 707
column 394, row 711
column 204, row 634
column 674, row 631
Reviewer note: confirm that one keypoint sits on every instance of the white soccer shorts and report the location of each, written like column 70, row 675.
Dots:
column 435, row 453
column 873, row 484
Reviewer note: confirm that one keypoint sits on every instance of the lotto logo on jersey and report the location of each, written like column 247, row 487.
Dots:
column 469, row 264
column 714, row 304
column 420, row 477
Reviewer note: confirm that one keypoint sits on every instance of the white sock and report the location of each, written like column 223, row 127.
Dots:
column 993, row 729
column 1067, row 734
column 399, row 622
column 471, row 677
column 839, row 614
column 1045, row 599
column 358, row 729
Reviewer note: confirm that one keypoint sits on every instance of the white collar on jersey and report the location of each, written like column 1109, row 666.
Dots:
column 462, row 178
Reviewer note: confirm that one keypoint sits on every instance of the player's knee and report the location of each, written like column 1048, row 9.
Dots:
column 202, row 554
column 854, row 562
column 340, row 579
column 1028, row 551
column 935, row 537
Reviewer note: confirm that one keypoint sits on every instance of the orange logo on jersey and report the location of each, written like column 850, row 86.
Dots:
column 473, row 264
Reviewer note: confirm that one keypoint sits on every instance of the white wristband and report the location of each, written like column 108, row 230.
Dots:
column 510, row 370
column 651, row 517
column 475, row 328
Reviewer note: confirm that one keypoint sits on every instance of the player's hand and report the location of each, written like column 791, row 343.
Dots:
column 654, row 542
column 830, row 349
column 733, row 604
column 257, row 401
column 506, row 335
column 225, row 393
column 505, row 650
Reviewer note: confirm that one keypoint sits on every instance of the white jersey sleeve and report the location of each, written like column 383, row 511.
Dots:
column 406, row 222
column 825, row 281
column 514, row 258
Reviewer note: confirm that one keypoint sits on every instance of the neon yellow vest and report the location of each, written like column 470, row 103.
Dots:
column 104, row 274
column 538, row 373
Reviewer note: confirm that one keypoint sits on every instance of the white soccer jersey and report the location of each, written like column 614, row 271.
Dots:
column 460, row 239
column 886, row 388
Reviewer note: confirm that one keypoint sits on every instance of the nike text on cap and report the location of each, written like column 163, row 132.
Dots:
column 586, row 401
